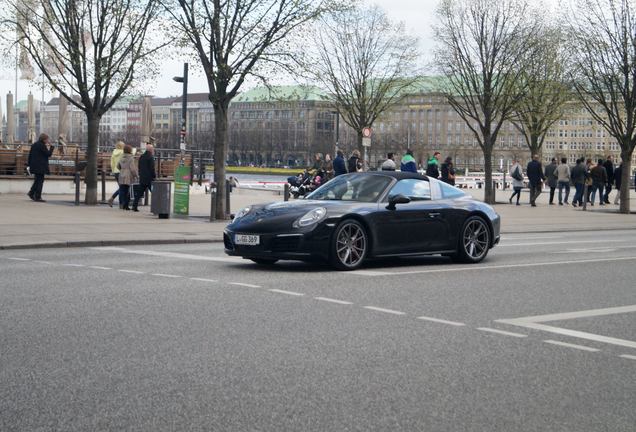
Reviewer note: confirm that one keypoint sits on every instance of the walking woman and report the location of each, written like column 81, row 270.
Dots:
column 114, row 161
column 516, row 172
column 128, row 175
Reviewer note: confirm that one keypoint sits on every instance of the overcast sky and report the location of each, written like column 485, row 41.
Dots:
column 417, row 15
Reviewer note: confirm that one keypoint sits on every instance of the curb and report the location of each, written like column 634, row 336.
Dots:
column 102, row 243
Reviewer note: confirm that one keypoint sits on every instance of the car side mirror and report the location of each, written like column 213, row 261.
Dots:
column 397, row 199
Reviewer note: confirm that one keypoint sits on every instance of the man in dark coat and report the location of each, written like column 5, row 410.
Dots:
column 339, row 164
column 38, row 164
column 535, row 175
column 550, row 175
column 146, row 174
column 609, row 169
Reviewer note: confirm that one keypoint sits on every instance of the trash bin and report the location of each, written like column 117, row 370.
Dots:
column 160, row 203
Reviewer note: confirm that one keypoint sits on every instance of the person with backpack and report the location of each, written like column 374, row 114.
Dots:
column 408, row 163
column 516, row 172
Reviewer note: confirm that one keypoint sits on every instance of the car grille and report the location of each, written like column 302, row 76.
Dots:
column 286, row 244
column 227, row 242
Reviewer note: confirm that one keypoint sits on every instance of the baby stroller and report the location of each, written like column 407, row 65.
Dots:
column 299, row 183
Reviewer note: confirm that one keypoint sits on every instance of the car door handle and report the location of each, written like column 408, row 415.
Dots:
column 434, row 215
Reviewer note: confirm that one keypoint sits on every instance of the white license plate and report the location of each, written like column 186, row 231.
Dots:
column 246, row 239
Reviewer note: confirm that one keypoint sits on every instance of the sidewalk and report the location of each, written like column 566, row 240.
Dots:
column 59, row 223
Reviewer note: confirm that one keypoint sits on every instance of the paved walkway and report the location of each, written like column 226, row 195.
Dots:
column 58, row 222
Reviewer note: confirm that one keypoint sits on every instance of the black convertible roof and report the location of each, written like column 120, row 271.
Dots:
column 395, row 174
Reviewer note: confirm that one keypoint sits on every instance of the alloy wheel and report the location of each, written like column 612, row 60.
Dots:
column 351, row 244
column 476, row 239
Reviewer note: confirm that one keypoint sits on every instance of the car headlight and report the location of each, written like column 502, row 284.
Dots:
column 242, row 213
column 311, row 217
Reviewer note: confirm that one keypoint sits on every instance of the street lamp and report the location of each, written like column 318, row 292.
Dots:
column 184, row 110
column 337, row 126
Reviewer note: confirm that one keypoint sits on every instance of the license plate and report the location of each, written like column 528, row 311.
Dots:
column 246, row 239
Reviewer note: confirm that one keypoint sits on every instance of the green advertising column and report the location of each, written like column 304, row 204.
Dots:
column 182, row 190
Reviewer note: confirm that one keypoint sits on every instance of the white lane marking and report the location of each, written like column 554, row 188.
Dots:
column 569, row 345
column 330, row 300
column 476, row 267
column 441, row 321
column 590, row 250
column 131, row 271
column 100, row 268
column 572, row 333
column 166, row 275
column 245, row 285
column 578, row 314
column 558, row 243
column 627, row 356
column 42, row 262
column 73, row 265
column 506, row 238
column 167, row 254
column 389, row 311
column 203, row 280
column 19, row 259
column 501, row 332
column 274, row 290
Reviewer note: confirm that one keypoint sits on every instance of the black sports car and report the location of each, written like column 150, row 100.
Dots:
column 359, row 216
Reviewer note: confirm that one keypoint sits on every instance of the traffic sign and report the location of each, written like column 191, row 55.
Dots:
column 366, row 132
column 366, row 142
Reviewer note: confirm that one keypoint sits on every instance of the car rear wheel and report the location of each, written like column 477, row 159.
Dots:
column 349, row 246
column 474, row 240
column 264, row 261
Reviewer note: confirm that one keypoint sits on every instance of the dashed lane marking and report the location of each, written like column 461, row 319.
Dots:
column 166, row 275
column 167, row 254
column 42, row 262
column 627, row 356
column 559, row 242
column 441, row 321
column 501, row 332
column 292, row 293
column 330, row 300
column 389, row 311
column 100, row 268
column 203, row 279
column 19, row 259
column 73, row 265
column 569, row 345
column 245, row 284
column 131, row 271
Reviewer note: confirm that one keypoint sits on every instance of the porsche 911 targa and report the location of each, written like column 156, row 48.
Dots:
column 360, row 216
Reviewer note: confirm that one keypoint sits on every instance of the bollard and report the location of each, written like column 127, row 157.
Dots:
column 103, row 187
column 212, row 202
column 228, row 190
column 286, row 192
column 77, row 188
column 585, row 197
column 146, row 197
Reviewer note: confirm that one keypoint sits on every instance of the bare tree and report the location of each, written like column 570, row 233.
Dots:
column 482, row 45
column 236, row 40
column 605, row 74
column 90, row 48
column 545, row 84
column 365, row 61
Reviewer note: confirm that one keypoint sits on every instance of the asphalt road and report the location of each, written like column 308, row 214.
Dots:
column 539, row 337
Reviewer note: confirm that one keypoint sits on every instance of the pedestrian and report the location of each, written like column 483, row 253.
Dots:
column 550, row 175
column 389, row 163
column 536, row 177
column 317, row 166
column 354, row 164
column 327, row 168
column 408, row 163
column 516, row 172
column 128, row 175
column 599, row 180
column 118, row 152
column 578, row 176
column 618, row 173
column 609, row 169
column 339, row 164
column 432, row 166
column 448, row 171
column 146, row 174
column 38, row 164
column 562, row 174
column 588, row 178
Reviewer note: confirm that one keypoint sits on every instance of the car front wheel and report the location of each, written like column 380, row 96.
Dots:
column 349, row 246
column 474, row 240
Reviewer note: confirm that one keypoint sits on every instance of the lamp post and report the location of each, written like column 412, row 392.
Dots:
column 184, row 111
column 337, row 126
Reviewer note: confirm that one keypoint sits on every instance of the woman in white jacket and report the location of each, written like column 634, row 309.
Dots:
column 516, row 174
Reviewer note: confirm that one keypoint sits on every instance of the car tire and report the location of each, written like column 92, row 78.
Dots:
column 349, row 245
column 474, row 241
column 264, row 261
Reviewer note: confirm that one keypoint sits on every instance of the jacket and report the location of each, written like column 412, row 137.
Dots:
column 609, row 168
column 146, row 169
column 388, row 165
column 516, row 183
column 114, row 160
column 431, row 168
column 39, row 158
column 550, row 174
column 448, row 173
column 562, row 173
column 578, row 173
column 534, row 172
column 339, row 166
column 408, row 164
column 618, row 173
column 599, row 175
column 128, row 173
column 354, row 164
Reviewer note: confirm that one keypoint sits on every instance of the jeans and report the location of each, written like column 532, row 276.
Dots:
column 564, row 185
column 578, row 195
column 124, row 195
column 552, row 189
column 139, row 191
column 608, row 189
column 116, row 191
column 597, row 187
column 535, row 191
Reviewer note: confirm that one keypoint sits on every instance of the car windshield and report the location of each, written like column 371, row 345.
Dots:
column 352, row 187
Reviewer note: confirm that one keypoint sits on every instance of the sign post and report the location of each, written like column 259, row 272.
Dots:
column 366, row 143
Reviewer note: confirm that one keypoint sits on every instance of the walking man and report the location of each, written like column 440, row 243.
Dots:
column 535, row 175
column 599, row 180
column 389, row 163
column 562, row 173
column 578, row 174
column 146, row 174
column 408, row 162
column 339, row 164
column 609, row 169
column 550, row 175
column 432, row 167
column 38, row 164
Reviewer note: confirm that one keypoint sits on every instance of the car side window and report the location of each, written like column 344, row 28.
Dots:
column 450, row 192
column 415, row 189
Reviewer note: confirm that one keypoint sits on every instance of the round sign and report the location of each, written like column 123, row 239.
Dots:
column 366, row 132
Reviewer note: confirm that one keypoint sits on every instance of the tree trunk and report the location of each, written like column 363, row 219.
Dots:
column 626, row 172
column 535, row 148
column 91, row 158
column 220, row 143
column 489, row 193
